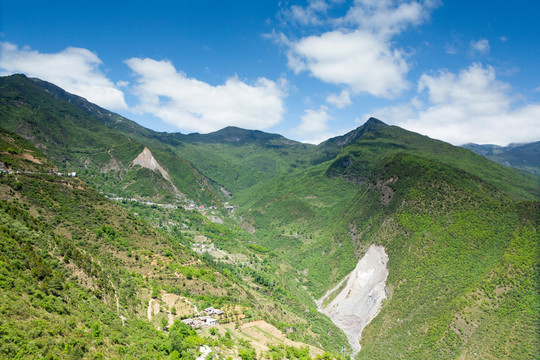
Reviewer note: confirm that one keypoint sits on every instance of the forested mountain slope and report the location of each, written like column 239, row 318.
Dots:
column 82, row 278
column 520, row 156
column 95, row 143
column 460, row 231
column 462, row 251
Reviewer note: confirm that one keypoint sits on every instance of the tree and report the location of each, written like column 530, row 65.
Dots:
column 249, row 354
column 164, row 323
column 178, row 332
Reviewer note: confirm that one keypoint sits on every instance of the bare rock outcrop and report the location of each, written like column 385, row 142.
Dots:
column 147, row 160
column 360, row 296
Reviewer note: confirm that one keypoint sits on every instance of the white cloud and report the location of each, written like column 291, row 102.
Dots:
column 359, row 53
column 481, row 46
column 383, row 17
column 309, row 15
column 193, row 105
column 472, row 106
column 122, row 83
column 339, row 100
column 358, row 60
column 314, row 128
column 76, row 70
column 387, row 17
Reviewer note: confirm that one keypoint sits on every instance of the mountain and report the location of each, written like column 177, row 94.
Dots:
column 75, row 268
column 385, row 140
column 97, row 144
column 371, row 124
column 237, row 158
column 102, row 146
column 81, row 277
column 520, row 156
column 235, row 135
column 456, row 236
column 460, row 249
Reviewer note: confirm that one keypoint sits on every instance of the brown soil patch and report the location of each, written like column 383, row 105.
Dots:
column 30, row 157
column 261, row 334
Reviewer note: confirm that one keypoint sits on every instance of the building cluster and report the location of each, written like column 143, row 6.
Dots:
column 204, row 321
column 4, row 170
column 69, row 173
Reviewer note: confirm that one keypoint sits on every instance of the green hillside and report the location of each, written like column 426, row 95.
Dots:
column 463, row 252
column 383, row 141
column 525, row 157
column 78, row 274
column 461, row 233
column 65, row 279
column 81, row 137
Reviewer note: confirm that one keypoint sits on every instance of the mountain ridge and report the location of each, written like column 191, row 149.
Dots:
column 460, row 231
column 524, row 157
column 370, row 125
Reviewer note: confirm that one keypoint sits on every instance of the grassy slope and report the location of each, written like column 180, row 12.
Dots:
column 315, row 212
column 386, row 140
column 463, row 271
column 236, row 158
column 67, row 254
column 300, row 217
column 395, row 188
column 452, row 238
column 78, row 137
column 525, row 157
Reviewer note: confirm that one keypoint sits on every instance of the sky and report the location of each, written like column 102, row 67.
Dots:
column 458, row 71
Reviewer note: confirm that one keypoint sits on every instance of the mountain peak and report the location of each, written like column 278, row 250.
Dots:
column 374, row 122
column 236, row 135
column 371, row 124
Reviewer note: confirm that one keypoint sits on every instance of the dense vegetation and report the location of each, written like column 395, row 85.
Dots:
column 79, row 272
column 520, row 156
column 86, row 140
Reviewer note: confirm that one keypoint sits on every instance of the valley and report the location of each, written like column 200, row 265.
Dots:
column 381, row 243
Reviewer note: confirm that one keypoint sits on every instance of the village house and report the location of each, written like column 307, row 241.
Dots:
column 207, row 321
column 201, row 321
column 188, row 321
column 212, row 311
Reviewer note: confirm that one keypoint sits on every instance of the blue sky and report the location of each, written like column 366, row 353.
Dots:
column 453, row 70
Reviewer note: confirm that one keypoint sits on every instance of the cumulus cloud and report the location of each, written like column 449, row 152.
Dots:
column 358, row 60
column 339, row 100
column 481, row 46
column 76, row 70
column 359, row 53
column 193, row 105
column 314, row 127
column 387, row 17
column 471, row 106
column 314, row 121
